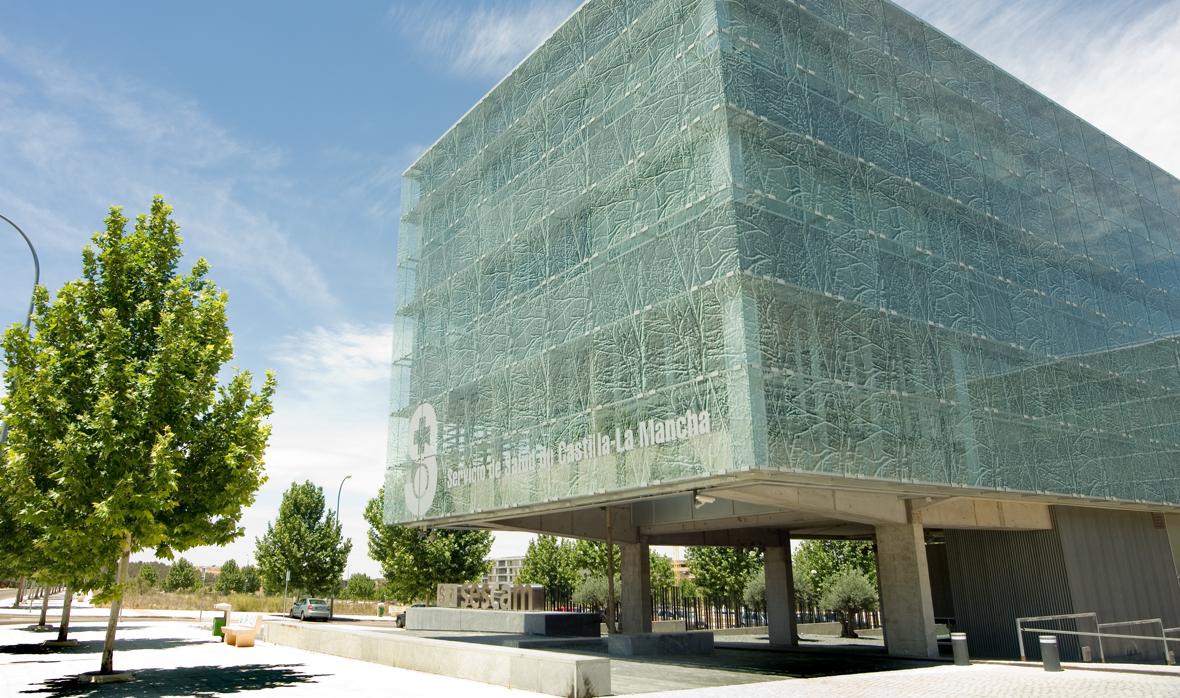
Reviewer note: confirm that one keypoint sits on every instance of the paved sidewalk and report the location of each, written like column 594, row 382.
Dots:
column 180, row 659
column 980, row 680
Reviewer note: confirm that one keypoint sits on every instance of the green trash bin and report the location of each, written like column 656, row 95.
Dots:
column 218, row 624
column 380, row 610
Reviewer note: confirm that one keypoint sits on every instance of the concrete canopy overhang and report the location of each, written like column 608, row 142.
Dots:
column 752, row 508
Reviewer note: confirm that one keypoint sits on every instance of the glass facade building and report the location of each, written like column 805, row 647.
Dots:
column 690, row 239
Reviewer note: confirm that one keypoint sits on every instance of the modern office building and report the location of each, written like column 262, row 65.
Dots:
column 728, row 272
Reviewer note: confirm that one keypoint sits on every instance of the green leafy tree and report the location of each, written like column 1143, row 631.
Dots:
column 824, row 560
column 415, row 561
column 229, row 581
column 592, row 590
column 849, row 593
column 551, row 563
column 754, row 595
column 360, row 586
column 720, row 572
column 805, row 593
column 663, row 577
column 249, row 581
column 305, row 540
column 590, row 557
column 147, row 579
column 122, row 438
column 182, row 577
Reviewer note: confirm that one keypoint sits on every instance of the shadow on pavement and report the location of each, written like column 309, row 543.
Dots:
column 79, row 628
column 205, row 681
column 87, row 646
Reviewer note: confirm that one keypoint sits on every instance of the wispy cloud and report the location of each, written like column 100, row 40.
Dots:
column 114, row 140
column 329, row 421
column 483, row 41
column 1113, row 64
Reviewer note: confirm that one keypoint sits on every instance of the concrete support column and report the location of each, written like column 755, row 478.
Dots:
column 907, row 609
column 780, row 595
column 636, row 588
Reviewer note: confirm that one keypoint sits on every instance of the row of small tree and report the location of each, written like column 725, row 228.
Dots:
column 121, row 436
column 182, row 576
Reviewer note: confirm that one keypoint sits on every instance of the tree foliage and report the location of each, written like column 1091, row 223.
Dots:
column 754, row 594
column 805, row 593
column 305, row 540
column 590, row 557
column 824, row 560
column 849, row 593
column 721, row 572
column 415, row 561
column 147, row 579
column 593, row 591
column 360, row 587
column 551, row 562
column 182, row 576
column 121, row 435
column 249, row 581
column 228, row 581
column 663, row 577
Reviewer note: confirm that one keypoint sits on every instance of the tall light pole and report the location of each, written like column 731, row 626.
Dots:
column 332, row 603
column 338, row 490
column 32, row 298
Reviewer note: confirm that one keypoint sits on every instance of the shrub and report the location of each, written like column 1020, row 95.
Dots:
column 849, row 593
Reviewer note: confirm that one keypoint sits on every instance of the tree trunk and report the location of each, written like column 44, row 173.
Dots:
column 846, row 625
column 108, row 647
column 20, row 593
column 63, row 629
column 44, row 609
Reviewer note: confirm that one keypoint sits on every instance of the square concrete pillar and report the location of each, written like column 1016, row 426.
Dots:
column 907, row 610
column 636, row 592
column 780, row 595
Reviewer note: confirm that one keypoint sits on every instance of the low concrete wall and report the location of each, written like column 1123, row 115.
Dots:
column 747, row 630
column 528, row 670
column 661, row 644
column 511, row 622
column 826, row 629
column 657, row 626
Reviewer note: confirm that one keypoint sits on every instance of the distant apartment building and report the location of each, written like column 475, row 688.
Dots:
column 504, row 570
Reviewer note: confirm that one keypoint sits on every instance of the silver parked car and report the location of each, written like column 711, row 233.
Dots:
column 308, row 608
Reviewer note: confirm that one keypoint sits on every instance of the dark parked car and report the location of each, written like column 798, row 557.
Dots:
column 400, row 619
column 308, row 608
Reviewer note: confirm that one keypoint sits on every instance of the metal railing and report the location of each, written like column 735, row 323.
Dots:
column 1162, row 637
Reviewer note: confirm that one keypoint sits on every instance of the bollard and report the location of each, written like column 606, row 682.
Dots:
column 959, row 646
column 1050, row 656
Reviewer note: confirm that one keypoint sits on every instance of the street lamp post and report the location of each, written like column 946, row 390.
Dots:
column 332, row 602
column 32, row 298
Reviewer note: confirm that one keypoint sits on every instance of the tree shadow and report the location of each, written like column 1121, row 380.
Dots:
column 203, row 681
column 78, row 628
column 91, row 646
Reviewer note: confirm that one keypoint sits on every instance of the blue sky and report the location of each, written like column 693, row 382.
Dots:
column 279, row 130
